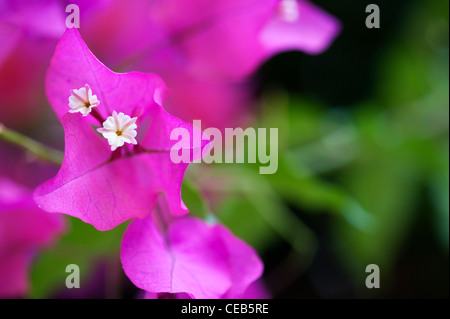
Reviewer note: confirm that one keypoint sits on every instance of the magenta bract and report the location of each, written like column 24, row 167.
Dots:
column 189, row 257
column 94, row 184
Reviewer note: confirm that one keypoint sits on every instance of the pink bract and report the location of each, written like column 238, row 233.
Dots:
column 230, row 39
column 93, row 184
column 189, row 258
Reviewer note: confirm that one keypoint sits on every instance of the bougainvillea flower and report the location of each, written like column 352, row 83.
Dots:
column 100, row 186
column 24, row 229
column 229, row 39
column 299, row 25
column 189, row 258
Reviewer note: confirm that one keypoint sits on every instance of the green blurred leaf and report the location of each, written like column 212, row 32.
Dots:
column 386, row 181
column 83, row 245
column 242, row 218
column 440, row 197
column 298, row 186
column 193, row 199
column 257, row 197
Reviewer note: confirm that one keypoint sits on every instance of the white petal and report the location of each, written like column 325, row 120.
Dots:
column 119, row 123
column 79, row 98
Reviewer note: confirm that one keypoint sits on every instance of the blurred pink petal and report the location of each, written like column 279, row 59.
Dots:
column 28, row 31
column 22, row 81
column 217, row 104
column 35, row 18
column 312, row 32
column 257, row 290
column 211, row 47
column 217, row 39
column 23, row 230
column 190, row 257
column 9, row 35
column 117, row 30
column 229, row 40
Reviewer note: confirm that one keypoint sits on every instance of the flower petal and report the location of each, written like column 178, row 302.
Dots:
column 106, row 192
column 90, row 184
column 192, row 257
column 312, row 32
column 73, row 65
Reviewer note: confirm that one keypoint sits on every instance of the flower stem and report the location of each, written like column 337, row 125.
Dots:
column 44, row 152
column 97, row 116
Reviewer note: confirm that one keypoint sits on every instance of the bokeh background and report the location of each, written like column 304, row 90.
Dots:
column 363, row 173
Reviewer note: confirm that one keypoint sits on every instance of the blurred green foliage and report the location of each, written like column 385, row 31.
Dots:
column 82, row 245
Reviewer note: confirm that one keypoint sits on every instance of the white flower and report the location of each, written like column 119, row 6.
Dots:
column 119, row 129
column 289, row 10
column 82, row 100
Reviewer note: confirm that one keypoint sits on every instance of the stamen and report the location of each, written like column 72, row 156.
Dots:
column 82, row 100
column 119, row 129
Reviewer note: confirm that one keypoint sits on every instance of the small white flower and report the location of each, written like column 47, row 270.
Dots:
column 82, row 100
column 289, row 10
column 119, row 129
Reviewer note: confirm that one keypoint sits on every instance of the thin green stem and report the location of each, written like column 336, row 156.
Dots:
column 44, row 152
